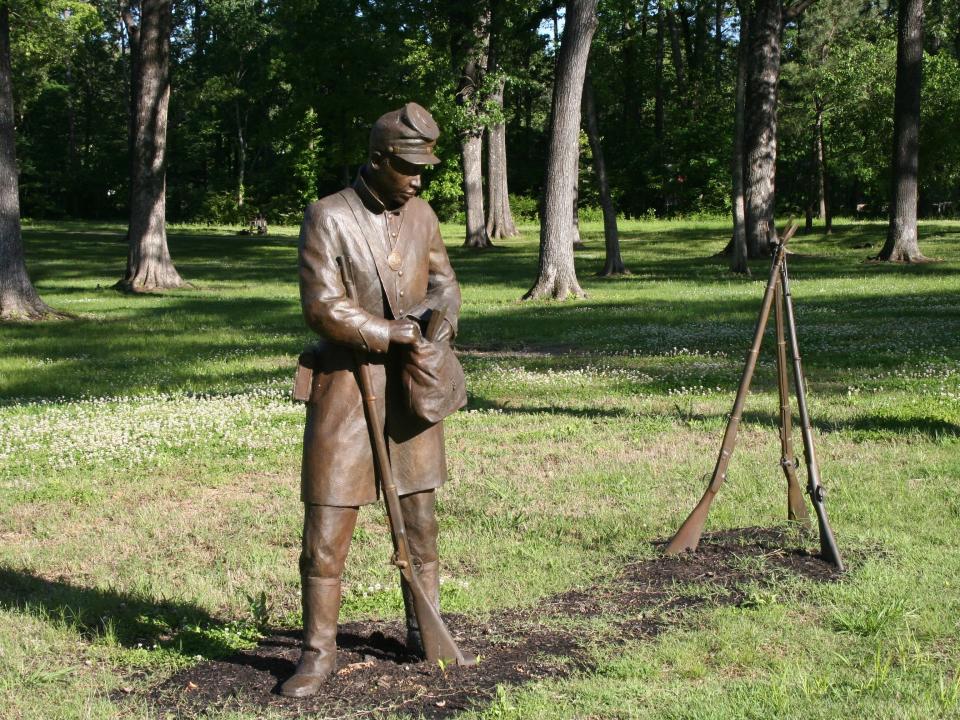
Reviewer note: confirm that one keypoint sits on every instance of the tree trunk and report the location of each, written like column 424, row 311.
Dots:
column 676, row 54
column 133, row 92
column 471, row 138
column 557, row 276
column 149, row 266
column 818, row 164
column 499, row 217
column 683, row 17
column 718, row 43
column 500, row 221
column 241, row 157
column 902, row 243
column 738, row 243
column 72, row 164
column 700, row 37
column 760, row 138
column 823, row 181
column 613, row 263
column 658, row 79
column 827, row 207
column 471, row 152
column 575, row 220
column 18, row 298
column 632, row 77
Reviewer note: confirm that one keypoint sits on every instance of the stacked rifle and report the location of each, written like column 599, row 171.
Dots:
column 777, row 294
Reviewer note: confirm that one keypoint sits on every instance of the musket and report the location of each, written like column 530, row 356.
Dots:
column 688, row 536
column 828, row 545
column 438, row 643
column 796, row 507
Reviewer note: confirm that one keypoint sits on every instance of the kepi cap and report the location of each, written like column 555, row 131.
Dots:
column 409, row 133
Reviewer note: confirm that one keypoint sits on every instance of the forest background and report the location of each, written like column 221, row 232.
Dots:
column 271, row 103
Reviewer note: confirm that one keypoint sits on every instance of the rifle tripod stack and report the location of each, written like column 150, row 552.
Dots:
column 778, row 293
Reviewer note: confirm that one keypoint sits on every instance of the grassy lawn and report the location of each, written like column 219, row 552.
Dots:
column 149, row 470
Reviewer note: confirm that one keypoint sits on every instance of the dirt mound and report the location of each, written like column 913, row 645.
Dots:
column 376, row 676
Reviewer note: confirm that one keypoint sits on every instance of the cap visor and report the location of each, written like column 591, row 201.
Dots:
column 419, row 158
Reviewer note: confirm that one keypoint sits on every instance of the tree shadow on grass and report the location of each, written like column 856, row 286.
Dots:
column 128, row 619
column 199, row 257
column 217, row 344
column 475, row 402
column 677, row 253
column 864, row 425
column 183, row 340
column 834, row 330
column 661, row 253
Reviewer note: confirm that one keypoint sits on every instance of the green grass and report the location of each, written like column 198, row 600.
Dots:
column 149, row 469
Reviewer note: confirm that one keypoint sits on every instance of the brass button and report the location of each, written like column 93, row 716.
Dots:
column 400, row 273
column 401, row 293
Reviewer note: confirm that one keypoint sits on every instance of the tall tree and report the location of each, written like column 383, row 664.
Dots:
column 738, row 243
column 575, row 238
column 676, row 53
column 760, row 139
column 499, row 217
column 470, row 97
column 613, row 263
column 149, row 266
column 658, row 100
column 18, row 298
column 557, row 275
column 816, row 82
column 902, row 243
column 718, row 17
column 821, row 177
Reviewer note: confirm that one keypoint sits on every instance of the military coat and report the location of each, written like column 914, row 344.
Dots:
column 394, row 277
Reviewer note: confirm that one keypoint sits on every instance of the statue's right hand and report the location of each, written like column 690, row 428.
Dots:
column 404, row 332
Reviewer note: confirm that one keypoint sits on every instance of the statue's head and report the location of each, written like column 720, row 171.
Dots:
column 401, row 145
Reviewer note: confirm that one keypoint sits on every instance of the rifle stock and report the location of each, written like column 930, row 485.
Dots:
column 688, row 536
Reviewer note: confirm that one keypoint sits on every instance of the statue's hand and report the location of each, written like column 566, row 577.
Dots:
column 404, row 332
column 444, row 333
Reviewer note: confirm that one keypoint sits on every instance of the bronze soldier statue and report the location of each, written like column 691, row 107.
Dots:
column 400, row 268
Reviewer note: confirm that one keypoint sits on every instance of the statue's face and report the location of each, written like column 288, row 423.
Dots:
column 394, row 180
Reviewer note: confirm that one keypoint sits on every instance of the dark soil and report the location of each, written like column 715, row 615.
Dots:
column 376, row 676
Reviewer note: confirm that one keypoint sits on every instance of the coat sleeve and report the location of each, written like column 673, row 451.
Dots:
column 326, row 307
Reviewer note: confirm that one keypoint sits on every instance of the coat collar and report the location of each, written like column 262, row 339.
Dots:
column 368, row 197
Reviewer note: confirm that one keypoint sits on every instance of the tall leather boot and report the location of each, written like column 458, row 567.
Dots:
column 318, row 659
column 429, row 575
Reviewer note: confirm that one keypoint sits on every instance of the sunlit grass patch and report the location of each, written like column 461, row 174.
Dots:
column 149, row 468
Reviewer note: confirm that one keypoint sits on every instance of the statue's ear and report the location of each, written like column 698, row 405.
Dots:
column 377, row 159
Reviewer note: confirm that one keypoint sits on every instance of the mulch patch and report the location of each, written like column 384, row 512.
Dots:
column 375, row 676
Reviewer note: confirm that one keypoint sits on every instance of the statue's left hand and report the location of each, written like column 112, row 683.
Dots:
column 444, row 333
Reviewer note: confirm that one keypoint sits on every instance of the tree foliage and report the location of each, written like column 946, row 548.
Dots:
column 272, row 102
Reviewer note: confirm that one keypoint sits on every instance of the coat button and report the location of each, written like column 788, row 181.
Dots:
column 401, row 293
column 400, row 273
